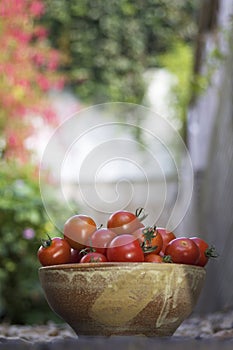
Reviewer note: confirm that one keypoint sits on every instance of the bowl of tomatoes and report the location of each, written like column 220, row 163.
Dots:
column 122, row 279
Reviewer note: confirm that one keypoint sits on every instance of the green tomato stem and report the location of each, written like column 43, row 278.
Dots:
column 140, row 214
column 46, row 242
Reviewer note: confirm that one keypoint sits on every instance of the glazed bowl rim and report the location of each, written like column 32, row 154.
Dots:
column 112, row 265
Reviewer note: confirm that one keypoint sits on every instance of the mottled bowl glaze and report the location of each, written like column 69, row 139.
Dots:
column 122, row 298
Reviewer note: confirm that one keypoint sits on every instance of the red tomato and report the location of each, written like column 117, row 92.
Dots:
column 150, row 239
column 125, row 248
column 152, row 257
column 54, row 251
column 206, row 252
column 100, row 239
column 123, row 221
column 183, row 251
column 167, row 236
column 77, row 229
column 93, row 257
column 75, row 256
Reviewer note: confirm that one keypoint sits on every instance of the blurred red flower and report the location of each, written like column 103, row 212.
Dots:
column 29, row 69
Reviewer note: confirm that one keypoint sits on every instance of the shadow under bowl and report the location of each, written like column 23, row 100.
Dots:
column 104, row 299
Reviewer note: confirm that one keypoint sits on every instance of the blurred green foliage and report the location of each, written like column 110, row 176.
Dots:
column 110, row 44
column 23, row 222
column 182, row 68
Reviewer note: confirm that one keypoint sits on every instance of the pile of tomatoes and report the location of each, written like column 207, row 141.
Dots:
column 124, row 239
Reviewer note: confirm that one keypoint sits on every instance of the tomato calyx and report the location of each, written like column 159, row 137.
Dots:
column 211, row 252
column 46, row 242
column 148, row 234
column 87, row 250
column 167, row 259
column 140, row 214
column 93, row 257
column 95, row 260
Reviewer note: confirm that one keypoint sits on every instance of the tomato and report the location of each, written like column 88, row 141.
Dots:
column 75, row 256
column 167, row 236
column 206, row 252
column 123, row 221
column 54, row 251
column 93, row 257
column 99, row 240
column 183, row 250
column 150, row 239
column 78, row 229
column 152, row 257
column 125, row 248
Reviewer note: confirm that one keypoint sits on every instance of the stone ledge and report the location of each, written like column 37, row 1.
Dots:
column 213, row 331
column 122, row 343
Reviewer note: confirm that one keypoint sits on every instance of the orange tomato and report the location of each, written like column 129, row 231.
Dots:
column 150, row 239
column 152, row 257
column 167, row 237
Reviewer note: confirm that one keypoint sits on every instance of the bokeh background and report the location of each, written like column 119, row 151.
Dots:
column 60, row 57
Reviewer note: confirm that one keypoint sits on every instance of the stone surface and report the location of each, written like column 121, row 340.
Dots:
column 213, row 331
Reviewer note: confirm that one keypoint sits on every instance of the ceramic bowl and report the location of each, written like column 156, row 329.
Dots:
column 122, row 298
